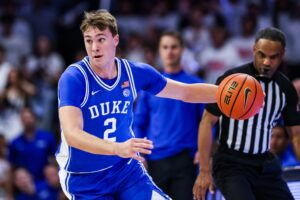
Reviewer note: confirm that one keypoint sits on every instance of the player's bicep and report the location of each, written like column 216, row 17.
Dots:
column 71, row 120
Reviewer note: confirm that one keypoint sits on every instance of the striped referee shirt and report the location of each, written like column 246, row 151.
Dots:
column 252, row 136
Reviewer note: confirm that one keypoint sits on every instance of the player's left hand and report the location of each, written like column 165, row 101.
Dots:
column 133, row 146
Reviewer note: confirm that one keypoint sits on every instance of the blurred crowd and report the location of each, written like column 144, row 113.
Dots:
column 40, row 38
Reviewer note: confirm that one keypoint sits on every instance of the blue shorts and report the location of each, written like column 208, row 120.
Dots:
column 125, row 180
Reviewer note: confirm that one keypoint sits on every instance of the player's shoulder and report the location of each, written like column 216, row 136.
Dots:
column 138, row 67
column 73, row 71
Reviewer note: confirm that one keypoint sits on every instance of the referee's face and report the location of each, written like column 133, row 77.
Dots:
column 268, row 55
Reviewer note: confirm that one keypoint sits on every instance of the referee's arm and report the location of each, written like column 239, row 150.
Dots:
column 294, row 133
column 204, row 180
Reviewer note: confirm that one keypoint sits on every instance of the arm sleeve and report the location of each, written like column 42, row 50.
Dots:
column 71, row 88
column 147, row 78
column 141, row 116
column 290, row 113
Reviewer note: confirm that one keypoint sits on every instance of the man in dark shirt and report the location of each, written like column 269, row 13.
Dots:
column 243, row 167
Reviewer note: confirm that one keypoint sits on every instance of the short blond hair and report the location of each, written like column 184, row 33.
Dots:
column 100, row 19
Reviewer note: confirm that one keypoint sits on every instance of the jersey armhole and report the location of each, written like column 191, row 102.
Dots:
column 86, row 96
column 130, row 76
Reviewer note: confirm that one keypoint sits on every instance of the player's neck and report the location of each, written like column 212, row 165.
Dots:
column 106, row 72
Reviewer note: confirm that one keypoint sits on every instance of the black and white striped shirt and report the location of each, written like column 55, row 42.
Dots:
column 252, row 136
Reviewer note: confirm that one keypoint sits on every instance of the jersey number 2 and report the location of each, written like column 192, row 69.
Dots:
column 112, row 123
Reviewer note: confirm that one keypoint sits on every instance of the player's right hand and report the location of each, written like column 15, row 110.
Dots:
column 203, row 182
column 133, row 146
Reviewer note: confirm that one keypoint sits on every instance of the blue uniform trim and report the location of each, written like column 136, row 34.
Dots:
column 131, row 80
column 86, row 96
column 98, row 79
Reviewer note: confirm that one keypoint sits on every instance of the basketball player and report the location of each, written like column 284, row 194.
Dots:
column 243, row 167
column 99, row 155
column 161, row 120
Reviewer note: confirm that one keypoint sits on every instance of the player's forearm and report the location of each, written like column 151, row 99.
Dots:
column 87, row 142
column 193, row 93
column 205, row 144
column 200, row 93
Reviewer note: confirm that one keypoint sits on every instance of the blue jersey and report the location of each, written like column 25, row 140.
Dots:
column 106, row 108
column 171, row 124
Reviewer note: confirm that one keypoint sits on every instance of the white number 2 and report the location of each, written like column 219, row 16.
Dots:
column 110, row 122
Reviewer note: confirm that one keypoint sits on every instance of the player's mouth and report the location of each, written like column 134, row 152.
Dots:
column 98, row 56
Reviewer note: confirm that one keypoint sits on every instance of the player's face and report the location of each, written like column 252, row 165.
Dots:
column 268, row 55
column 170, row 51
column 100, row 46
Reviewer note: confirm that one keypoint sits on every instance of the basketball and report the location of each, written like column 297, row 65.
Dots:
column 240, row 96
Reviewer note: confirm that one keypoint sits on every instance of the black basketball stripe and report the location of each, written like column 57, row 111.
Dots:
column 253, row 99
column 237, row 95
column 220, row 100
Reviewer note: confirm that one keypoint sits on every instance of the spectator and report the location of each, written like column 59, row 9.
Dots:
column 280, row 145
column 16, row 47
column 175, row 140
column 219, row 56
column 18, row 90
column 15, row 97
column 5, row 172
column 44, row 68
column 33, row 148
column 243, row 43
column 49, row 189
column 5, row 68
column 24, row 185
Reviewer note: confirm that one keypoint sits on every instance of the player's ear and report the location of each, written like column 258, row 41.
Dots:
column 116, row 39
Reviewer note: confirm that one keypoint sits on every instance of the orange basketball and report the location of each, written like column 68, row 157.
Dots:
column 240, row 96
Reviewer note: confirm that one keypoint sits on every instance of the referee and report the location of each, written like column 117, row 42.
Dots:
column 243, row 167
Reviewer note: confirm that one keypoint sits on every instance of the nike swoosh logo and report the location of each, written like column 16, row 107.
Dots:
column 95, row 92
column 246, row 92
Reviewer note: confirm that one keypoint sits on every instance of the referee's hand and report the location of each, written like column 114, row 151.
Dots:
column 203, row 182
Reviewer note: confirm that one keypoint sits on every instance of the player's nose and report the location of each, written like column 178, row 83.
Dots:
column 95, row 47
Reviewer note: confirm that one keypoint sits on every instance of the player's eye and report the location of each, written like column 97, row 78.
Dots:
column 101, row 39
column 88, row 41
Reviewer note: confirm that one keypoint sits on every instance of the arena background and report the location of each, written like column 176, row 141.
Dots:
column 40, row 38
